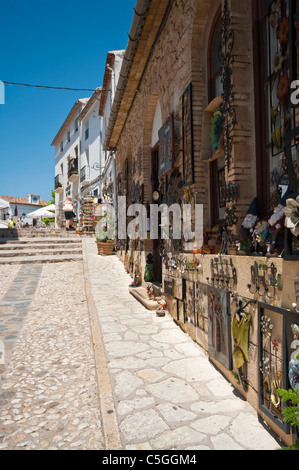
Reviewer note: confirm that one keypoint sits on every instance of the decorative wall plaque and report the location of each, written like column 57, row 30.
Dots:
column 189, row 301
column 219, row 326
column 180, row 311
column 187, row 121
column 201, row 306
column 178, row 288
column 273, row 360
column 166, row 147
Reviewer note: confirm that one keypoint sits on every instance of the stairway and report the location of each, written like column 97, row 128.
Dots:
column 40, row 250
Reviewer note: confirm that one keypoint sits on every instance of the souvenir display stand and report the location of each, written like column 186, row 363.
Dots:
column 88, row 216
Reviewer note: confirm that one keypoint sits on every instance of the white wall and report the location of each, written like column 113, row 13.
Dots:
column 90, row 148
column 108, row 163
column 61, row 158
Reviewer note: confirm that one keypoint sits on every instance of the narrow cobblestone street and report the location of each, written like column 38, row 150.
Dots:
column 49, row 394
column 88, row 367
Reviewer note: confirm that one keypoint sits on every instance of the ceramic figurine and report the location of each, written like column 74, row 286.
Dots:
column 294, row 362
column 161, row 309
column 249, row 222
column 149, row 272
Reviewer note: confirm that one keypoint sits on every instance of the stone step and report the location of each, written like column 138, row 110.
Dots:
column 141, row 295
column 37, row 246
column 34, row 241
column 38, row 252
column 41, row 259
column 15, row 233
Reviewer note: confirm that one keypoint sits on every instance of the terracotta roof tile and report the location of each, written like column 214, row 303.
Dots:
column 22, row 200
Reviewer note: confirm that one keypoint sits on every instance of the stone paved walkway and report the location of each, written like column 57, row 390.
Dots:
column 167, row 395
column 88, row 367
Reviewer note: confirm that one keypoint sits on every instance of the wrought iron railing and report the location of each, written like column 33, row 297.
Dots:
column 72, row 167
column 58, row 182
column 84, row 173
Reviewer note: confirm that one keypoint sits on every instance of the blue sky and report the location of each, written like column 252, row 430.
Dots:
column 49, row 42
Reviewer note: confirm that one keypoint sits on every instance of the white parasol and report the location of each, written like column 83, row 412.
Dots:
column 43, row 213
column 51, row 207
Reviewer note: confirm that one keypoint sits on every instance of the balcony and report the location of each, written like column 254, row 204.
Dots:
column 72, row 170
column 58, row 188
column 85, row 175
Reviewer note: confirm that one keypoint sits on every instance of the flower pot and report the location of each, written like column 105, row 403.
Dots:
column 105, row 248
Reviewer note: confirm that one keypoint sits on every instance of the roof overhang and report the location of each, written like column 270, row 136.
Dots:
column 88, row 106
column 106, row 81
column 73, row 112
column 145, row 28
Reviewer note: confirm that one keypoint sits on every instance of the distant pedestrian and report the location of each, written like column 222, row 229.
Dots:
column 11, row 223
column 68, row 209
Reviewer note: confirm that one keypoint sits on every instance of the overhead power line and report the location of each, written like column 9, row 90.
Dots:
column 51, row 87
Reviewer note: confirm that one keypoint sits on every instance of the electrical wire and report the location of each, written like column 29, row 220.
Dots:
column 50, row 87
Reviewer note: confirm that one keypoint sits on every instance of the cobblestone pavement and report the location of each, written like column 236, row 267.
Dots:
column 88, row 367
column 48, row 396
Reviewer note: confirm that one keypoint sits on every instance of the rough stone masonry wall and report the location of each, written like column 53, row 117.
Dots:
column 180, row 57
column 167, row 75
column 243, row 169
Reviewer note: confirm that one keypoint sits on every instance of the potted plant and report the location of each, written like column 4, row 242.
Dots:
column 105, row 230
column 105, row 246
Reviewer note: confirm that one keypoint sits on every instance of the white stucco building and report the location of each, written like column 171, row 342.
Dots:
column 16, row 208
column 90, row 147
column 82, row 168
column 67, row 149
column 77, row 155
column 108, row 164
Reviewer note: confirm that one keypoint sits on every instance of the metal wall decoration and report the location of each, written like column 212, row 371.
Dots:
column 227, row 107
column 187, row 123
column 241, row 323
column 178, row 288
column 219, row 326
column 223, row 274
column 169, row 287
column 229, row 192
column 189, row 301
column 180, row 311
column 201, row 306
column 280, row 69
column 292, row 335
column 291, row 247
column 166, row 147
column 221, row 186
column 273, row 370
column 174, row 192
column 136, row 192
column 265, row 280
